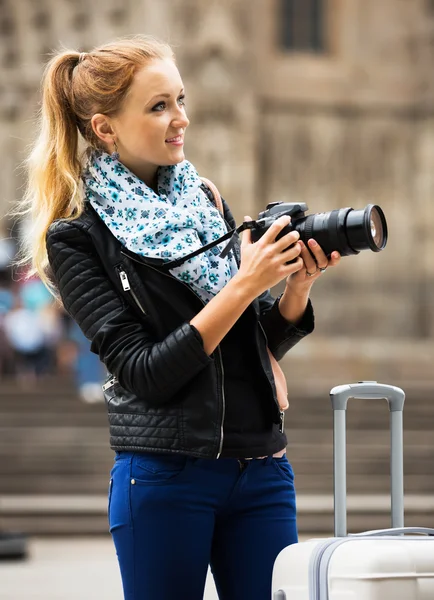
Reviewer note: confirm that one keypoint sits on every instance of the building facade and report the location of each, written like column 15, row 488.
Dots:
column 328, row 102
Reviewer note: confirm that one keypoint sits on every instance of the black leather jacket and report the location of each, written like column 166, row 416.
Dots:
column 164, row 393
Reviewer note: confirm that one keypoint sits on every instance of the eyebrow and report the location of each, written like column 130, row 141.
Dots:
column 162, row 95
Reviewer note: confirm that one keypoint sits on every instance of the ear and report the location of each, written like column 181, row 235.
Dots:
column 103, row 128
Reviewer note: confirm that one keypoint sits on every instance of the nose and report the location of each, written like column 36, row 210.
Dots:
column 180, row 120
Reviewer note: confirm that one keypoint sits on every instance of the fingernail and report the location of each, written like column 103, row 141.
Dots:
column 313, row 243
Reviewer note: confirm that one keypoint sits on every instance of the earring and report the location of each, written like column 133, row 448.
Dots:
column 115, row 154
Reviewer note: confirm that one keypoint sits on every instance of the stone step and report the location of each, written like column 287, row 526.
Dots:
column 75, row 483
column 80, row 514
column 307, row 483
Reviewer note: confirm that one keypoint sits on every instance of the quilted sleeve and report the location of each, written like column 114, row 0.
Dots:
column 119, row 338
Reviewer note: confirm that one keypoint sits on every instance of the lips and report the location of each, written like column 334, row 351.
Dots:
column 175, row 140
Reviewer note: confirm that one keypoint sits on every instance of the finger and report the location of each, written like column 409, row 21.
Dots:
column 289, row 239
column 290, row 253
column 308, row 259
column 274, row 229
column 247, row 234
column 294, row 267
column 318, row 252
column 334, row 259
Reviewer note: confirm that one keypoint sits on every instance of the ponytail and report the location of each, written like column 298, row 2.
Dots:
column 54, row 168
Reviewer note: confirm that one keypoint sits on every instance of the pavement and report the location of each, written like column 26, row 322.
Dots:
column 68, row 569
column 63, row 569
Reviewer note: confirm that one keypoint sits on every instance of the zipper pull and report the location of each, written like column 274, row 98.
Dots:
column 282, row 421
column 124, row 280
column 110, row 383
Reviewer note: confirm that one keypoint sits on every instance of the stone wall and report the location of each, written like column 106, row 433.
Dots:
column 337, row 158
column 346, row 128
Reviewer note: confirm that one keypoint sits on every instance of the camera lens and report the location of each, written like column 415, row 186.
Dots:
column 367, row 229
column 379, row 236
column 346, row 230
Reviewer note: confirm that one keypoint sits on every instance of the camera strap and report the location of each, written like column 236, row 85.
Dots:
column 233, row 234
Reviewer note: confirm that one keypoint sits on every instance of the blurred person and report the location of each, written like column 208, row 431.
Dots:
column 200, row 475
column 34, row 293
column 25, row 334
column 52, row 326
column 36, row 298
column 87, row 368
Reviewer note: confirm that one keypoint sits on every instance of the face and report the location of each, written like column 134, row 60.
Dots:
column 149, row 129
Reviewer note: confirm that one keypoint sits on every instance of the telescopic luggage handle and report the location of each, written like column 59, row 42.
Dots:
column 370, row 390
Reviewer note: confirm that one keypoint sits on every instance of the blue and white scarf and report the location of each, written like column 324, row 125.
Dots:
column 169, row 225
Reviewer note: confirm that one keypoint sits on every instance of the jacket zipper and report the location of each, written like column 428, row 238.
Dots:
column 282, row 421
column 218, row 349
column 281, row 412
column 110, row 383
column 224, row 404
column 127, row 288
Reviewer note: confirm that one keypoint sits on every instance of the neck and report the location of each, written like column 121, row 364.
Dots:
column 154, row 183
column 145, row 172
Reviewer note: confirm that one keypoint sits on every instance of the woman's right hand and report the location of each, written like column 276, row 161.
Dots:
column 263, row 263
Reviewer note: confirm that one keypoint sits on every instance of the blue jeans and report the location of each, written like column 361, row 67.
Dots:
column 172, row 515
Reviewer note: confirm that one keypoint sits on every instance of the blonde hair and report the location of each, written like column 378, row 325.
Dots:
column 75, row 86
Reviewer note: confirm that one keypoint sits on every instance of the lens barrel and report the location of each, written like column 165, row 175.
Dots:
column 367, row 228
column 346, row 230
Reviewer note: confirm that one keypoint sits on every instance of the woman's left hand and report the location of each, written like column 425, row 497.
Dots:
column 302, row 280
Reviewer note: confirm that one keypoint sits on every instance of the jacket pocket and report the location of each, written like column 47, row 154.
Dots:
column 126, row 287
column 109, row 388
column 158, row 468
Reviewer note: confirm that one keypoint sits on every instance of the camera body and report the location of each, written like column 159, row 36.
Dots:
column 274, row 210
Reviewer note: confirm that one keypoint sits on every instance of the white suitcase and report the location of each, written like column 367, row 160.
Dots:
column 390, row 564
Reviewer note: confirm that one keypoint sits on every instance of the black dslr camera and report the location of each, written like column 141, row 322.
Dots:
column 346, row 230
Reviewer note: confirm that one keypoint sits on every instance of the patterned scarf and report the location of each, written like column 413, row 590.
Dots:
column 169, row 225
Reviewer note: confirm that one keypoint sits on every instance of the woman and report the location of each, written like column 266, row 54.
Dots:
column 200, row 474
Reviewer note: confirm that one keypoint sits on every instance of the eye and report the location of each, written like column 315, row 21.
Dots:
column 159, row 107
column 181, row 100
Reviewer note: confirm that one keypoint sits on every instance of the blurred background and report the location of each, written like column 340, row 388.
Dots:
column 328, row 102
